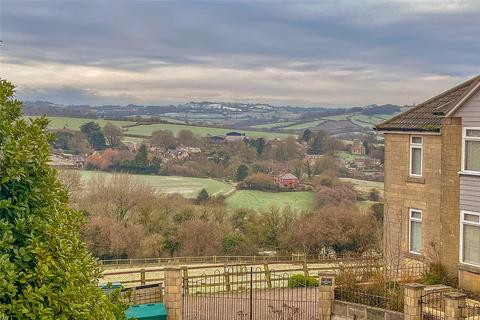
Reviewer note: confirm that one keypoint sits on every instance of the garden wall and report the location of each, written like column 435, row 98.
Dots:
column 346, row 310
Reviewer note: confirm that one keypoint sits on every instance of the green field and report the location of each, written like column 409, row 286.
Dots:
column 188, row 187
column 146, row 130
column 259, row 200
column 75, row 123
column 364, row 185
column 304, row 125
column 273, row 125
column 347, row 156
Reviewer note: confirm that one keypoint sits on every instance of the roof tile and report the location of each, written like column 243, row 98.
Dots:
column 428, row 115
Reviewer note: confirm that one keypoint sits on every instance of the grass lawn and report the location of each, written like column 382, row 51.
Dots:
column 259, row 200
column 75, row 123
column 364, row 185
column 189, row 187
column 146, row 130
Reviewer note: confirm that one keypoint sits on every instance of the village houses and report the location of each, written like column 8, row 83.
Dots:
column 432, row 184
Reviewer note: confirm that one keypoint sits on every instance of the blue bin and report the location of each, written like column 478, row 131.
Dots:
column 151, row 311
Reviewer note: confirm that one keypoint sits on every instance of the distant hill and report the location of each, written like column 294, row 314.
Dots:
column 241, row 116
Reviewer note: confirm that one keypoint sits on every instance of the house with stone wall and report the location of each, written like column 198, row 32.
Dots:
column 432, row 184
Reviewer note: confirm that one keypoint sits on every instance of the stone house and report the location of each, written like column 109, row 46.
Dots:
column 432, row 183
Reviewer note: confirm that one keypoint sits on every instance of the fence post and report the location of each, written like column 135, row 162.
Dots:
column 412, row 301
column 142, row 277
column 267, row 276
column 173, row 292
column 454, row 305
column 185, row 279
column 226, row 275
column 326, row 294
column 305, row 269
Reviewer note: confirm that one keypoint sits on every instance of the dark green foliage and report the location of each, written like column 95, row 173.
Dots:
column 438, row 274
column 141, row 158
column 377, row 211
column 203, row 196
column 259, row 145
column 374, row 195
column 233, row 244
column 46, row 270
column 95, row 135
column 307, row 135
column 242, row 172
column 62, row 139
column 299, row 280
column 316, row 146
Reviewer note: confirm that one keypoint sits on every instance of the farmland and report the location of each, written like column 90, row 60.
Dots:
column 75, row 123
column 144, row 130
column 250, row 199
column 187, row 186
column 259, row 200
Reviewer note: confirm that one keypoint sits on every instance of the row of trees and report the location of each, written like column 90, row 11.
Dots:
column 127, row 218
column 90, row 137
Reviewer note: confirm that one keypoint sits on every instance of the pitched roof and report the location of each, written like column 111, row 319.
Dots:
column 428, row 115
column 287, row 176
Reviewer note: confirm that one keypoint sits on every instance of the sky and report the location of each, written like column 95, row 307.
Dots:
column 315, row 53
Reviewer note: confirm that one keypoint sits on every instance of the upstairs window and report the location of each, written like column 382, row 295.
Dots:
column 470, row 238
column 415, row 231
column 471, row 150
column 416, row 156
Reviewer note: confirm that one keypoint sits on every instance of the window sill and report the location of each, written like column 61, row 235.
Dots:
column 468, row 267
column 466, row 173
column 419, row 180
column 414, row 256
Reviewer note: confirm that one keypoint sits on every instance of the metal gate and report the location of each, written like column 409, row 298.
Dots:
column 433, row 306
column 247, row 294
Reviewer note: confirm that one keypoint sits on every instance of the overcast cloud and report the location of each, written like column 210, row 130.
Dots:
column 329, row 53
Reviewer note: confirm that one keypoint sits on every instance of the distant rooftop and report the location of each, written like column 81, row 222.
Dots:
column 428, row 115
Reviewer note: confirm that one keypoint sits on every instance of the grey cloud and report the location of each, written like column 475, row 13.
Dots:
column 305, row 37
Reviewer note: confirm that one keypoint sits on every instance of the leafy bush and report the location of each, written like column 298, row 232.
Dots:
column 46, row 270
column 299, row 280
column 438, row 274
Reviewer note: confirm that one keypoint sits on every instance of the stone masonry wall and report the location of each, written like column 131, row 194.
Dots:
column 450, row 210
column 403, row 192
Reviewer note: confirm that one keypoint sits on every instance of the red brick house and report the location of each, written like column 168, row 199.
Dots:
column 286, row 180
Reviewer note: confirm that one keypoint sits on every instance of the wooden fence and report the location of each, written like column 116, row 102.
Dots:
column 145, row 275
column 147, row 262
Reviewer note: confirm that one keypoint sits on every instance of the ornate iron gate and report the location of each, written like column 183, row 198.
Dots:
column 247, row 294
column 433, row 306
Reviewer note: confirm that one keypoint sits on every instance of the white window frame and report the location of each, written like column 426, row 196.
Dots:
column 462, row 223
column 464, row 145
column 416, row 146
column 410, row 220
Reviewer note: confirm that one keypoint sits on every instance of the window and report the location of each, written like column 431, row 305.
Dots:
column 471, row 150
column 470, row 238
column 415, row 230
column 416, row 156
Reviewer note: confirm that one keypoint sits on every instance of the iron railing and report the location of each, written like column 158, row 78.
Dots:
column 471, row 311
column 248, row 294
column 389, row 299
